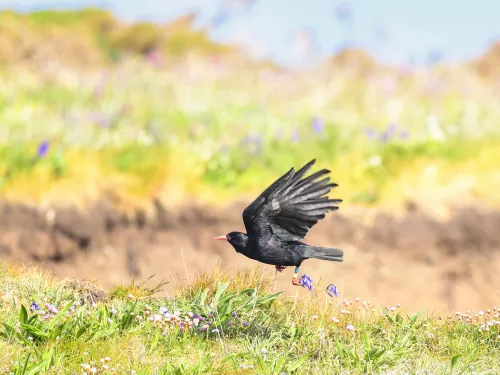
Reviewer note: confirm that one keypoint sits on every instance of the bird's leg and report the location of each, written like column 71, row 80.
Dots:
column 295, row 278
column 278, row 269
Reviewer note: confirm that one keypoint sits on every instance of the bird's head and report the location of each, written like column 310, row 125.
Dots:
column 237, row 239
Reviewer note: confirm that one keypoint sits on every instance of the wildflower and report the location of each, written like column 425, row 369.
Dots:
column 314, row 317
column 51, row 308
column 34, row 307
column 157, row 318
column 335, row 320
column 375, row 161
column 246, row 324
column 215, row 330
column 163, row 310
column 350, row 327
column 234, row 314
column 332, row 290
column 296, row 136
column 204, row 327
column 306, row 282
column 371, row 134
column 263, row 351
column 318, row 125
column 43, row 149
column 131, row 296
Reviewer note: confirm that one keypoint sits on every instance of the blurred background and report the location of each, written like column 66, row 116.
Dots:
column 132, row 133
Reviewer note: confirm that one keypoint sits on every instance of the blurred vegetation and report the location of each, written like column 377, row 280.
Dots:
column 97, row 37
column 143, row 110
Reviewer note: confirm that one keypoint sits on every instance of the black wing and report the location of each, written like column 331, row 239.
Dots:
column 292, row 204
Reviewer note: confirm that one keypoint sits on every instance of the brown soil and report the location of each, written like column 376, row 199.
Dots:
column 413, row 260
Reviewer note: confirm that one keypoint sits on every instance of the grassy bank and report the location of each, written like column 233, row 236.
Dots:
column 228, row 324
column 212, row 128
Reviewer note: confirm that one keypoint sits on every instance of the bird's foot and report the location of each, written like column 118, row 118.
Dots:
column 280, row 268
column 296, row 280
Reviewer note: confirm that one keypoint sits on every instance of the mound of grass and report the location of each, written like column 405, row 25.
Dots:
column 228, row 324
column 211, row 129
column 97, row 38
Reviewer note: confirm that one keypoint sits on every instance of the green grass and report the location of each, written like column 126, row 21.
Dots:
column 213, row 129
column 232, row 324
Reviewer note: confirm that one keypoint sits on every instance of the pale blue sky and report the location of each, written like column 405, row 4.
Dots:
column 458, row 29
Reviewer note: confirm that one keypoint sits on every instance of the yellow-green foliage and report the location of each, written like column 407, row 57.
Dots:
column 214, row 129
column 97, row 37
column 229, row 324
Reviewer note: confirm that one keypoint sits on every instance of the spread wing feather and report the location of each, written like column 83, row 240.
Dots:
column 292, row 204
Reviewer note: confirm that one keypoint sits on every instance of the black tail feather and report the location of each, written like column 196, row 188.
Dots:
column 325, row 253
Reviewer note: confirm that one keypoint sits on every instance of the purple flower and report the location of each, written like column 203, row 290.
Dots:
column 43, row 149
column 306, row 282
column 371, row 134
column 154, row 58
column 318, row 125
column 234, row 314
column 332, row 290
column 391, row 129
column 384, row 136
column 296, row 136
column 51, row 308
column 246, row 324
column 182, row 325
column 34, row 307
column 404, row 134
column 102, row 119
column 210, row 315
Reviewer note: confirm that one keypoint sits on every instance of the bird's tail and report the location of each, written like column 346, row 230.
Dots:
column 325, row 253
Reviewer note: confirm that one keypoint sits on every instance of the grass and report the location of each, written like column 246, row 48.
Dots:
column 213, row 132
column 228, row 324
column 212, row 129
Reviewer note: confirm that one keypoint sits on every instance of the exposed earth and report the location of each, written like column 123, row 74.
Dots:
column 414, row 260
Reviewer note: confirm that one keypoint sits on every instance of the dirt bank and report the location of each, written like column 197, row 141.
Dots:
column 413, row 260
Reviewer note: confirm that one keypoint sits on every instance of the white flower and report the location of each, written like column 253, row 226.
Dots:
column 350, row 327
column 375, row 161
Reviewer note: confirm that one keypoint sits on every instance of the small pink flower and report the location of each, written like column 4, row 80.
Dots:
column 350, row 327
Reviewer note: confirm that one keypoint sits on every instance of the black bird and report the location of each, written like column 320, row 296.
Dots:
column 281, row 216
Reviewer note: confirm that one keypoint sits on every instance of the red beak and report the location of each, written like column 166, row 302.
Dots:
column 221, row 238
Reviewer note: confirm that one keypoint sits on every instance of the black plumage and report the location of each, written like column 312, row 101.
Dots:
column 282, row 215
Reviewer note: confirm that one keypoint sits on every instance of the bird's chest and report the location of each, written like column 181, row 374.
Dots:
column 272, row 251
